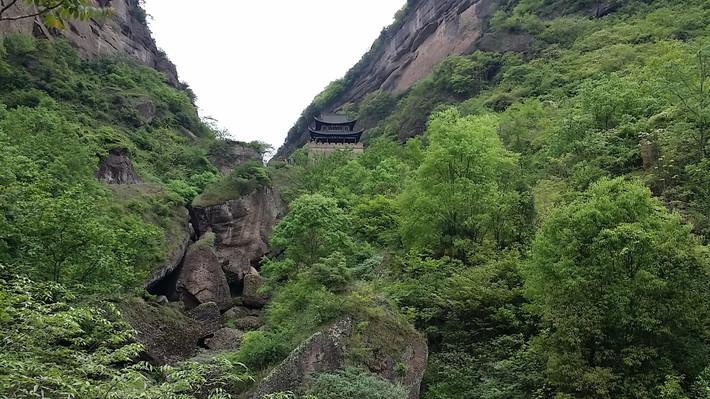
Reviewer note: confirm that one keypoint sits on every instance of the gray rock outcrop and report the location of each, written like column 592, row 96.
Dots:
column 117, row 168
column 251, row 295
column 165, row 332
column 178, row 242
column 249, row 323
column 226, row 154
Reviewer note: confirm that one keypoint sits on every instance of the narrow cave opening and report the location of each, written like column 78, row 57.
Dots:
column 236, row 288
column 167, row 285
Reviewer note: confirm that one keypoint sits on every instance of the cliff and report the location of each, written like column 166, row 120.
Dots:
column 424, row 34
column 125, row 32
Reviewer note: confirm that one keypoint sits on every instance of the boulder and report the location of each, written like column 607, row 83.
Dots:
column 207, row 314
column 117, row 168
column 225, row 339
column 323, row 351
column 251, row 296
column 228, row 153
column 163, row 279
column 166, row 334
column 393, row 349
column 242, row 228
column 201, row 279
column 249, row 323
column 235, row 313
column 145, row 109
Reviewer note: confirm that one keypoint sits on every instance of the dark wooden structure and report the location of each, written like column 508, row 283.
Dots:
column 334, row 129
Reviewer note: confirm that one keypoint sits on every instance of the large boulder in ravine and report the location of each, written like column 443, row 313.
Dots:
column 201, row 278
column 166, row 333
column 392, row 349
column 324, row 351
column 117, row 168
column 209, row 316
column 242, row 228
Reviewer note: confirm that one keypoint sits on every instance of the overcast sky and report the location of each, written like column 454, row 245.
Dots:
column 255, row 65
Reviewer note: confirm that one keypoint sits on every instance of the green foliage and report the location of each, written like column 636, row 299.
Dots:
column 453, row 195
column 354, row 383
column 244, row 179
column 621, row 286
column 53, row 13
column 55, row 347
column 57, row 222
column 314, row 228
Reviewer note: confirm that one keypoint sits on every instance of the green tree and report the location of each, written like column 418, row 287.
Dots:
column 688, row 83
column 314, row 228
column 452, row 194
column 622, row 288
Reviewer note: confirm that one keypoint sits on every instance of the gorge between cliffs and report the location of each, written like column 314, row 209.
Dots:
column 500, row 200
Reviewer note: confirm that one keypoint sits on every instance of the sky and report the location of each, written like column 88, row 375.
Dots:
column 255, row 65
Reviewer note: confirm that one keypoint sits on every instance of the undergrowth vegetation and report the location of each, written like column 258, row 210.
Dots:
column 542, row 218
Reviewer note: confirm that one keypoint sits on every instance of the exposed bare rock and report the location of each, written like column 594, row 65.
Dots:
column 249, row 323
column 125, row 32
column 235, row 313
column 117, row 168
column 145, row 109
column 323, row 351
column 392, row 344
column 240, row 312
column 251, row 295
column 165, row 332
column 225, row 339
column 242, row 228
column 209, row 317
column 202, row 279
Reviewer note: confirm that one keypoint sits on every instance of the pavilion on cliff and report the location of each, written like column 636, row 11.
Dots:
column 332, row 132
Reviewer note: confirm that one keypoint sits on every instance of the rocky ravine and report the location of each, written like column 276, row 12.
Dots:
column 207, row 296
column 125, row 32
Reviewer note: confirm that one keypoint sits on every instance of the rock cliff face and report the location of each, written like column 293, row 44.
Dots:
column 125, row 32
column 427, row 33
column 242, row 228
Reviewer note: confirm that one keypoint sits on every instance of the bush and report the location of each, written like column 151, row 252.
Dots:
column 243, row 180
column 354, row 383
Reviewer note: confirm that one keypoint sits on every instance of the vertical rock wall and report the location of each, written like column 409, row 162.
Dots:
column 125, row 32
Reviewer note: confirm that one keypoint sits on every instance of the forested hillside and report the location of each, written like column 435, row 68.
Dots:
column 73, row 249
column 547, row 224
column 526, row 224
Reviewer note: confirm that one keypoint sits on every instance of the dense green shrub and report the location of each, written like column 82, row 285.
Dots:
column 354, row 383
column 242, row 180
column 622, row 290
